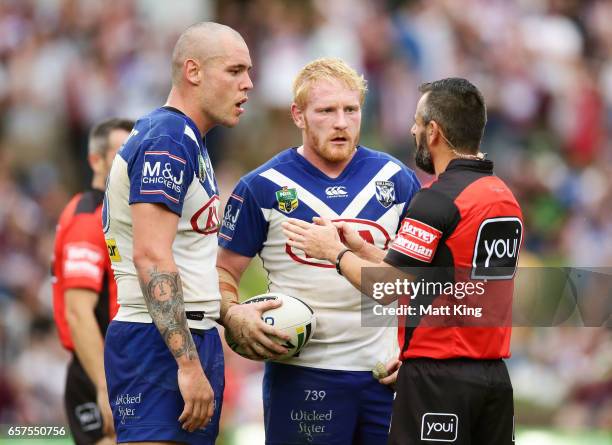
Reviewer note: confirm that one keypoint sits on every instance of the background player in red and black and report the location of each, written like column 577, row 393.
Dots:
column 453, row 385
column 84, row 292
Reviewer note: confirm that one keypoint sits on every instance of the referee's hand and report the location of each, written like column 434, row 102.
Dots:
column 108, row 427
column 393, row 367
column 198, row 396
column 348, row 235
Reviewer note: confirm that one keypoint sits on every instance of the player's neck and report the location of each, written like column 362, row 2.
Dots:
column 98, row 182
column 330, row 169
column 176, row 100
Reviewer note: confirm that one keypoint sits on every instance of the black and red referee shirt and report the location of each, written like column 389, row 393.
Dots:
column 467, row 220
column 80, row 260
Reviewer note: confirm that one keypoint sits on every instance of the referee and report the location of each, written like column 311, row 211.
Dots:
column 84, row 292
column 453, row 385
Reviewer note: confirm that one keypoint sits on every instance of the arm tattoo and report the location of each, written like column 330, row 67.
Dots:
column 163, row 294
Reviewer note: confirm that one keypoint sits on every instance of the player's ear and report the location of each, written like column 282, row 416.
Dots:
column 192, row 71
column 297, row 115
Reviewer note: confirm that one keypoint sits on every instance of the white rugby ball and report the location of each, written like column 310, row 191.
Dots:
column 294, row 318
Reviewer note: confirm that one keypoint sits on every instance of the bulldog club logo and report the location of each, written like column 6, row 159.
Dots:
column 385, row 193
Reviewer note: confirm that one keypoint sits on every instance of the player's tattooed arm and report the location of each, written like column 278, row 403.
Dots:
column 163, row 294
column 154, row 230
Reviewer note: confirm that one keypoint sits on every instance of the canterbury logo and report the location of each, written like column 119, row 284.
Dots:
column 336, row 191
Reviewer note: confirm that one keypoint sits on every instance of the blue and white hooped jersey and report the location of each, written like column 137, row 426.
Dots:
column 165, row 161
column 372, row 194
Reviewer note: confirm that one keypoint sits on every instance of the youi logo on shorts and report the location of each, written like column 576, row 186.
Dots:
column 497, row 248
column 439, row 427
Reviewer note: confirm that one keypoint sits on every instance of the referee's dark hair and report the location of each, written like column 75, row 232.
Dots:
column 458, row 107
column 98, row 135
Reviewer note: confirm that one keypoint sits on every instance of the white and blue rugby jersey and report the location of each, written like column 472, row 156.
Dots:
column 165, row 161
column 372, row 194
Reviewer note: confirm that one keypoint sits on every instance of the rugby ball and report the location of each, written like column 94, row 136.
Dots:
column 294, row 317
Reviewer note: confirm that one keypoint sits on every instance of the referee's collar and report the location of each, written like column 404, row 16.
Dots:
column 482, row 165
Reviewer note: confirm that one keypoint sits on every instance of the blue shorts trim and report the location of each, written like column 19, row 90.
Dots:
column 141, row 376
column 324, row 407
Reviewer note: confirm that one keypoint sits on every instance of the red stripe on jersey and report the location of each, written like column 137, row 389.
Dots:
column 223, row 235
column 159, row 192
column 166, row 153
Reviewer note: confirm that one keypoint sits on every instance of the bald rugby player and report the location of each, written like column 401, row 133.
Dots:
column 163, row 358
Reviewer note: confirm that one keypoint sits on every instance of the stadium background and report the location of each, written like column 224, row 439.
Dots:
column 544, row 66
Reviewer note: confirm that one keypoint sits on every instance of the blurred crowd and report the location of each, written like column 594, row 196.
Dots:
column 544, row 66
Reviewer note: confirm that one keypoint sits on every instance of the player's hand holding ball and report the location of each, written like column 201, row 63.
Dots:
column 290, row 322
column 251, row 334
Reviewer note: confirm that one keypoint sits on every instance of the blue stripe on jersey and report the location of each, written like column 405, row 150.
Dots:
column 162, row 154
column 244, row 228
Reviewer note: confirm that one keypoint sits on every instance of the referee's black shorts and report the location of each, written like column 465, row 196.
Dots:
column 458, row 401
column 81, row 406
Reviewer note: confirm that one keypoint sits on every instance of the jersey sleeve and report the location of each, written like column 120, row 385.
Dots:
column 430, row 217
column 244, row 227
column 408, row 186
column 161, row 172
column 84, row 255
